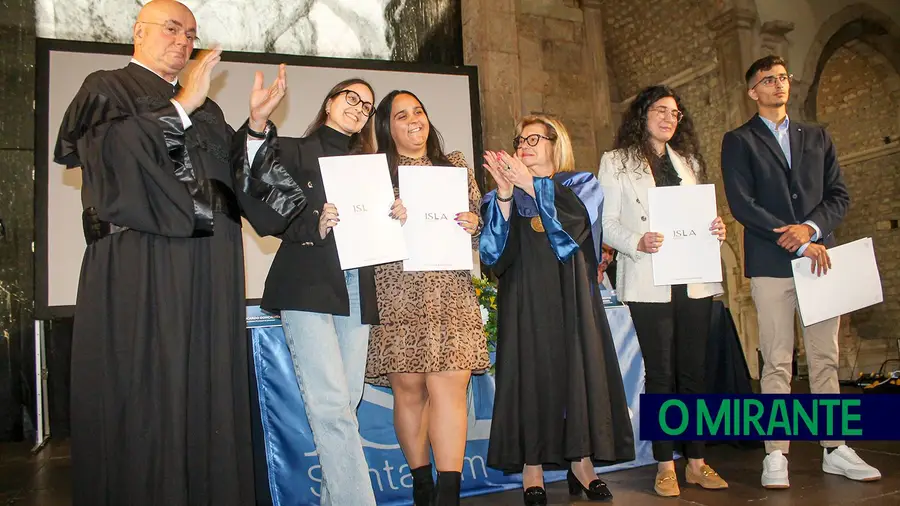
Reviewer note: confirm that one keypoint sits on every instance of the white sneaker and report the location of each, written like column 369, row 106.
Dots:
column 775, row 471
column 845, row 462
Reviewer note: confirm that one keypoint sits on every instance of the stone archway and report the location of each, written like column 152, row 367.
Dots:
column 853, row 75
column 858, row 21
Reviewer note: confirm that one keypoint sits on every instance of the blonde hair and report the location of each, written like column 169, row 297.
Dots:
column 563, row 155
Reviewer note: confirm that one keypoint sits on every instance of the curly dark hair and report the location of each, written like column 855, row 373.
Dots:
column 634, row 139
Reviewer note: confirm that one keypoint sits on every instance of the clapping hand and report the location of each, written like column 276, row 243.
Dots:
column 516, row 172
column 493, row 165
column 264, row 101
column 195, row 85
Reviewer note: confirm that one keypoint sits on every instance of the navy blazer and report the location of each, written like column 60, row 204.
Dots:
column 765, row 194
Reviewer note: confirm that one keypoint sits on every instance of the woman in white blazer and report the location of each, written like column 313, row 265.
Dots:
column 656, row 146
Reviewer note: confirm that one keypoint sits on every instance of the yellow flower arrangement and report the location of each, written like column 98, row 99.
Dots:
column 486, row 292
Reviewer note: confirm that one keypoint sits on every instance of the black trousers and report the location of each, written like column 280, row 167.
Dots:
column 673, row 339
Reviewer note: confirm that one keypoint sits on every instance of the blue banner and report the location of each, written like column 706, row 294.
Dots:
column 799, row 417
column 292, row 465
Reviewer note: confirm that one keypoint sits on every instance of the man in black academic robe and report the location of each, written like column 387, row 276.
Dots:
column 160, row 388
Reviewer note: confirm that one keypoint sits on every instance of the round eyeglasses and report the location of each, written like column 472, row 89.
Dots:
column 663, row 112
column 173, row 29
column 353, row 98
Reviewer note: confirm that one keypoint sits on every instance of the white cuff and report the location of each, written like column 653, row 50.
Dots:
column 802, row 249
column 253, row 146
column 185, row 120
column 635, row 253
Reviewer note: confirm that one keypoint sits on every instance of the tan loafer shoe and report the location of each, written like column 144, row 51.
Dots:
column 707, row 478
column 666, row 484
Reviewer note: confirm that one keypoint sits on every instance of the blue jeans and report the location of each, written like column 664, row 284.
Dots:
column 329, row 355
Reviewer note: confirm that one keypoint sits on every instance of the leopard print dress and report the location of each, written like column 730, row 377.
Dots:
column 430, row 321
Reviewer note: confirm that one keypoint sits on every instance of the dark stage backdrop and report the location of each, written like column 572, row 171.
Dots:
column 425, row 31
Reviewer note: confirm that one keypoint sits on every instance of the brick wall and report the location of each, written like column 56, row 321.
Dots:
column 854, row 100
column 648, row 42
column 704, row 99
column 554, row 75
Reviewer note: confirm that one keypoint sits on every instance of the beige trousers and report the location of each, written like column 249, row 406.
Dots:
column 776, row 302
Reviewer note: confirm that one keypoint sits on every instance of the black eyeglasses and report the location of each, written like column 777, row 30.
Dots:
column 353, row 98
column 532, row 140
column 769, row 81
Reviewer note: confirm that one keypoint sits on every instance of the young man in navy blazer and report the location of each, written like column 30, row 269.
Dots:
column 784, row 185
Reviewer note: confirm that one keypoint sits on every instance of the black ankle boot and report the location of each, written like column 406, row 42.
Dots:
column 446, row 493
column 423, row 485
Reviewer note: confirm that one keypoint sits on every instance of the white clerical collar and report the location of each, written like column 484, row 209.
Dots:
column 173, row 83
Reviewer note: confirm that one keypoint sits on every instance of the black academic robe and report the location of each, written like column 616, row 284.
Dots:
column 559, row 393
column 160, row 387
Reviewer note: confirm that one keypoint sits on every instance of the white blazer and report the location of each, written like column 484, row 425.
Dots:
column 626, row 220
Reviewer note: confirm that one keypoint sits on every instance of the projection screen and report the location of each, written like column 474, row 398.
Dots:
column 450, row 94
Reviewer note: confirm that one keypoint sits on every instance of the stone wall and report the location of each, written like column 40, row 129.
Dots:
column 552, row 56
column 858, row 101
column 648, row 42
column 855, row 100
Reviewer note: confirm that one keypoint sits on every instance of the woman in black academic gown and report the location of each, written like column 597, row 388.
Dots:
column 560, row 402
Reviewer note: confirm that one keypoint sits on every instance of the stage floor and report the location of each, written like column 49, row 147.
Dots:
column 44, row 480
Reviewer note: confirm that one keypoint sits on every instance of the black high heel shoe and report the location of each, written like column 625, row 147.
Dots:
column 535, row 496
column 596, row 491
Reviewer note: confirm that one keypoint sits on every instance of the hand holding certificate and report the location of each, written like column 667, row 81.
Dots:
column 690, row 252
column 851, row 283
column 433, row 196
column 360, row 188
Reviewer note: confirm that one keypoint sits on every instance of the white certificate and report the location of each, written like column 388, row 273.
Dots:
column 852, row 283
column 360, row 187
column 433, row 196
column 690, row 252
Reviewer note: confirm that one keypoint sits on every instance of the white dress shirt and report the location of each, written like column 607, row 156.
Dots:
column 253, row 145
column 782, row 135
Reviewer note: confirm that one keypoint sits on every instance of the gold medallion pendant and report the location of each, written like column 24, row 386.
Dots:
column 536, row 224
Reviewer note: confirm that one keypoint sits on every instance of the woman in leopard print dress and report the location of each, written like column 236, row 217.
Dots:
column 430, row 338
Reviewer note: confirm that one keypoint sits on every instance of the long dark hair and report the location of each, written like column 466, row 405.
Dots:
column 434, row 144
column 360, row 142
column 634, row 139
